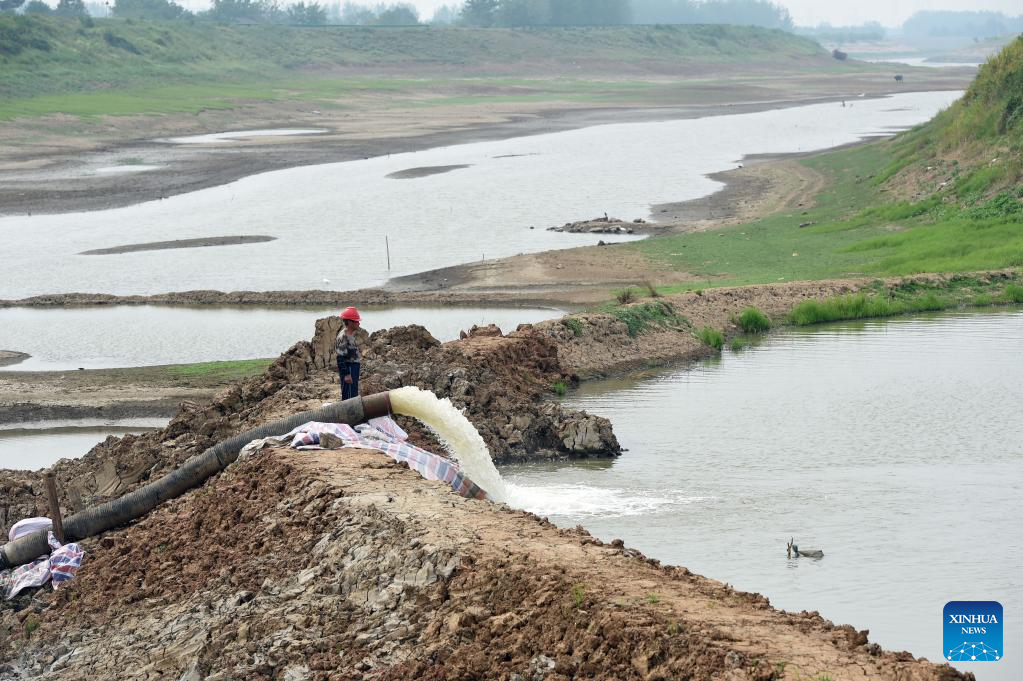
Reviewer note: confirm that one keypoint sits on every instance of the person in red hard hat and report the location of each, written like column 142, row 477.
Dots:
column 348, row 359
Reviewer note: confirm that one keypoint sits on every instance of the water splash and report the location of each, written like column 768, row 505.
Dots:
column 458, row 436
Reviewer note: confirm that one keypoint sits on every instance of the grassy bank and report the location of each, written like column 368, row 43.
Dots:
column 880, row 300
column 943, row 197
column 50, row 65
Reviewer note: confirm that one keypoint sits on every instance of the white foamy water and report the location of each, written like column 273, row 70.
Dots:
column 459, row 437
column 331, row 221
column 587, row 501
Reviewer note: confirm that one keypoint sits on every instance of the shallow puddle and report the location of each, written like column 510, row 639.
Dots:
column 242, row 134
column 31, row 446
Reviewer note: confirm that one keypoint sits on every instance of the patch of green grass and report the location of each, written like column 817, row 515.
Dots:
column 31, row 624
column 752, row 320
column 653, row 598
column 1013, row 293
column 229, row 370
column 102, row 63
column 578, row 595
column 559, row 388
column 574, row 325
column 711, row 337
column 862, row 306
column 655, row 314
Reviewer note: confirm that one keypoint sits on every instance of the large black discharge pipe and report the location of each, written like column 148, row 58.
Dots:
column 193, row 472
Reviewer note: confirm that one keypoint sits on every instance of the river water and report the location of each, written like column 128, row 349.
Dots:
column 895, row 446
column 126, row 336
column 335, row 222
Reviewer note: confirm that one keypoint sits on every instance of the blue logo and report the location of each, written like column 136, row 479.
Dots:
column 973, row 631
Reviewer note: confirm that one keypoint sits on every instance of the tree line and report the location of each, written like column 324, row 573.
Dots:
column 479, row 13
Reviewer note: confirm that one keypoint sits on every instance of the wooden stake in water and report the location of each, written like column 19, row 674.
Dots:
column 51, row 497
column 387, row 243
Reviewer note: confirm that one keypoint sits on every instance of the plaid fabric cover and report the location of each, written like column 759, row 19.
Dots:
column 59, row 566
column 385, row 435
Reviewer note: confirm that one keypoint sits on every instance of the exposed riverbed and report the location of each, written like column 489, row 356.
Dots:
column 331, row 220
column 894, row 446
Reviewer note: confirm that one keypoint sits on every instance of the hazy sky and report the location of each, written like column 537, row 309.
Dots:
column 835, row 12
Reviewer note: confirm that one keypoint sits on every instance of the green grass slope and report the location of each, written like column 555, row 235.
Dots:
column 42, row 56
column 943, row 197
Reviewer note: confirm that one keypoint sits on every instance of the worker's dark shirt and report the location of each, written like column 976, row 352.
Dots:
column 347, row 350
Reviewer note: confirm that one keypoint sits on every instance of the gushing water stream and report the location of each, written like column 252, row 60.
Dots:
column 456, row 433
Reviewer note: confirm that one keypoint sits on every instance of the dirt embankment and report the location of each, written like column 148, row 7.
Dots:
column 343, row 565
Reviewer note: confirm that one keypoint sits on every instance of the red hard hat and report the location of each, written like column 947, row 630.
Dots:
column 352, row 314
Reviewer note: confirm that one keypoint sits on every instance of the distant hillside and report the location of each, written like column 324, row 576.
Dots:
column 973, row 151
column 46, row 56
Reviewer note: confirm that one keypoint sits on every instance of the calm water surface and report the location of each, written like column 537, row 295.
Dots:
column 894, row 446
column 331, row 220
column 124, row 336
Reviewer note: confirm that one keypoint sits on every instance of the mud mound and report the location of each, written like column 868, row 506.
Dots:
column 501, row 383
column 344, row 565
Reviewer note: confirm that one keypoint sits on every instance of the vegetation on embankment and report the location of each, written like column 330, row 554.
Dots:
column 909, row 297
column 943, row 197
column 106, row 66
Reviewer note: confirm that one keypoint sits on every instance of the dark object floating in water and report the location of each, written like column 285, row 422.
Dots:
column 182, row 243
column 411, row 173
column 805, row 553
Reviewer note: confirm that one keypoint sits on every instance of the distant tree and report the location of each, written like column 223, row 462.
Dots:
column 523, row 13
column 353, row 14
column 479, row 12
column 741, row 12
column 446, row 14
column 8, row 6
column 71, row 8
column 37, row 7
column 933, row 24
column 237, row 11
column 312, row 14
column 402, row 14
column 149, row 9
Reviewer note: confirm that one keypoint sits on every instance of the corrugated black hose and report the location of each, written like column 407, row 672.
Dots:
column 193, row 472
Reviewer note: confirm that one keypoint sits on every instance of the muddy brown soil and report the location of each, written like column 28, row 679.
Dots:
column 342, row 565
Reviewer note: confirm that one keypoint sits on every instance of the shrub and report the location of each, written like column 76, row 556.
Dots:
column 1013, row 293
column 575, row 325
column 578, row 595
column 639, row 318
column 625, row 296
column 711, row 337
column 560, row 388
column 753, row 320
